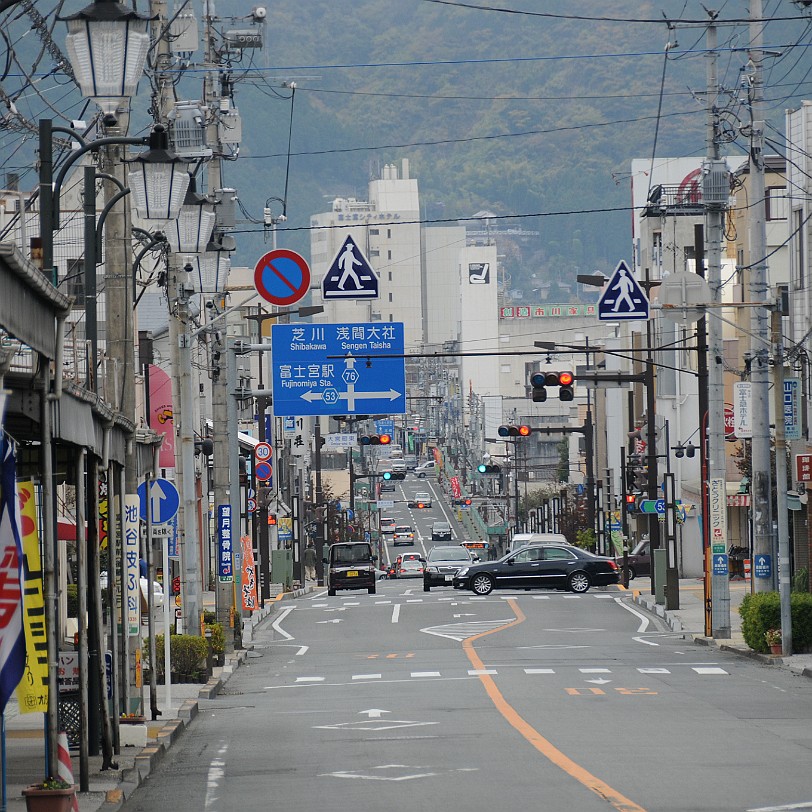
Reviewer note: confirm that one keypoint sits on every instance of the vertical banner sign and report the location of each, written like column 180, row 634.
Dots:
column 249, row 575
column 103, row 514
column 742, row 409
column 225, row 570
column 792, row 408
column 718, row 515
column 12, row 636
column 32, row 692
column 132, row 585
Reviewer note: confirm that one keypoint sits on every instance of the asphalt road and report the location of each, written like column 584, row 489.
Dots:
column 406, row 700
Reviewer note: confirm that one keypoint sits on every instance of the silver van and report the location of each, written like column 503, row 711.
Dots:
column 523, row 539
column 429, row 467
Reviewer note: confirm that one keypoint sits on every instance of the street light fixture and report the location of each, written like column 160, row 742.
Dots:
column 191, row 232
column 107, row 45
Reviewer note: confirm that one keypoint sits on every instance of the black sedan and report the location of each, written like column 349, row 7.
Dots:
column 548, row 567
column 443, row 563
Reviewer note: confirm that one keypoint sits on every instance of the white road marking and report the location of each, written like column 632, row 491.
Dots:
column 373, row 713
column 479, row 672
column 334, row 620
column 419, row 674
column 541, row 597
column 653, row 670
column 282, row 616
column 367, row 676
column 355, row 603
column 415, row 600
column 320, row 605
column 594, row 670
column 309, row 679
column 787, row 808
column 214, row 779
column 382, row 603
column 645, row 642
column 302, row 650
column 539, row 671
column 703, row 670
column 395, row 613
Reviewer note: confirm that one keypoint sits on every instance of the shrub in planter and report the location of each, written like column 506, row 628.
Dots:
column 761, row 611
column 72, row 592
column 218, row 639
column 187, row 654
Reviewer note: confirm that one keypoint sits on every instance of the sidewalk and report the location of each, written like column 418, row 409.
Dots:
column 25, row 742
column 690, row 618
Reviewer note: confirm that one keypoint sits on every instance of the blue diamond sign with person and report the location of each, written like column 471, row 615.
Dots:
column 350, row 276
column 623, row 299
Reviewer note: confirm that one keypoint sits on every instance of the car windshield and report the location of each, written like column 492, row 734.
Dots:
column 351, row 554
column 448, row 554
column 640, row 549
column 441, row 526
column 411, row 564
column 403, row 528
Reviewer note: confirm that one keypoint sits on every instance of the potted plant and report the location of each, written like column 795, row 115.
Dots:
column 52, row 795
column 773, row 639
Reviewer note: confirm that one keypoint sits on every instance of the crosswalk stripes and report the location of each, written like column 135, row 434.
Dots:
column 702, row 671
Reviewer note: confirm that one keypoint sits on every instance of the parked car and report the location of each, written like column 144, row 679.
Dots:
column 441, row 531
column 638, row 560
column 421, row 500
column 540, row 567
column 443, row 563
column 350, row 565
column 404, row 534
column 425, row 468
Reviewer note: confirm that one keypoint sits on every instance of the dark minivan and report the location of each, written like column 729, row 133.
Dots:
column 350, row 565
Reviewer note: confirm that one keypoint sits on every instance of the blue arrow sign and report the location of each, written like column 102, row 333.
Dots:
column 350, row 276
column 720, row 566
column 163, row 501
column 623, row 299
column 763, row 566
column 334, row 369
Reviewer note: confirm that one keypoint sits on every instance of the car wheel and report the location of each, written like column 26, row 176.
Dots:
column 482, row 584
column 371, row 590
column 632, row 573
column 331, row 592
column 579, row 582
column 426, row 587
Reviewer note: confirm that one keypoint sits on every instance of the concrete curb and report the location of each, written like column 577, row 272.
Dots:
column 149, row 758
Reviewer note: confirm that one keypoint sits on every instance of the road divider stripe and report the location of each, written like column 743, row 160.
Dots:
column 530, row 734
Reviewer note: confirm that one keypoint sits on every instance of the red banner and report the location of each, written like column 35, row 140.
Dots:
column 455, row 487
column 249, row 576
column 161, row 413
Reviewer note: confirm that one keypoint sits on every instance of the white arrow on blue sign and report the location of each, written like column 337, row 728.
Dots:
column 623, row 299
column 163, row 501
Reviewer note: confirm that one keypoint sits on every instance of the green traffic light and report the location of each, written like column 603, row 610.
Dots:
column 387, row 475
column 482, row 468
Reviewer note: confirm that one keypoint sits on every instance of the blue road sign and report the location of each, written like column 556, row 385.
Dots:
column 350, row 276
column 720, row 565
column 335, row 369
column 623, row 299
column 385, row 427
column 763, row 566
column 659, row 506
column 163, row 501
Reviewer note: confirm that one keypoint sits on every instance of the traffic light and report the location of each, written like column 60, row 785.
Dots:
column 375, row 439
column 631, row 501
column 272, row 519
column 387, row 475
column 639, row 468
column 539, row 381
column 685, row 450
column 629, row 479
column 513, row 431
column 487, row 468
column 565, row 386
column 539, row 393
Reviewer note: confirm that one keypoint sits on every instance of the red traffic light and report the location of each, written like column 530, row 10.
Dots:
column 514, row 431
column 565, row 379
column 375, row 439
column 630, row 498
column 385, row 439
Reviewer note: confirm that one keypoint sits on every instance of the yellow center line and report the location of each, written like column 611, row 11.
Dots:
column 528, row 732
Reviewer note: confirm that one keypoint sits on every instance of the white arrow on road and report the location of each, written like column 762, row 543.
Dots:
column 599, row 681
column 334, row 620
column 373, row 713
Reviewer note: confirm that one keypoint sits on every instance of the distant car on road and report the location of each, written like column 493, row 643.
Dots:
column 411, row 462
column 441, row 531
column 443, row 563
column 395, row 566
column 413, row 568
column 421, row 500
column 387, row 525
column 350, row 565
column 404, row 534
column 426, row 468
column 638, row 560
column 540, row 567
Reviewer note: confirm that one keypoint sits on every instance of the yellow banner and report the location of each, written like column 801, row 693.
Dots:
column 32, row 692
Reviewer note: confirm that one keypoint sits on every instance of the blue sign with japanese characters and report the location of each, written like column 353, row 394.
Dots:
column 225, row 547
column 720, row 565
column 763, row 566
column 338, row 369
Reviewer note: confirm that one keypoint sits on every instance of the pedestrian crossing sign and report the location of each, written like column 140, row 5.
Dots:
column 350, row 276
column 623, row 299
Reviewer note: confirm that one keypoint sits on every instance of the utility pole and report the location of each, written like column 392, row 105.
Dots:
column 715, row 193
column 761, row 479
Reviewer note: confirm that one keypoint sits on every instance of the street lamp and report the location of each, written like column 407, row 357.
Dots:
column 159, row 181
column 191, row 231
column 107, row 46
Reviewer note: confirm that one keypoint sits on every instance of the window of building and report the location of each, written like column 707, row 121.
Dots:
column 389, row 233
column 775, row 203
column 374, row 231
column 504, row 368
column 374, row 252
column 389, row 255
column 390, row 297
column 390, row 276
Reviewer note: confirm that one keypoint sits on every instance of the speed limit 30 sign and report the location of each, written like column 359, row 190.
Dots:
column 262, row 452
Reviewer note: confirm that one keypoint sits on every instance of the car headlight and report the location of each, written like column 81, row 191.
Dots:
column 432, row 569
column 463, row 571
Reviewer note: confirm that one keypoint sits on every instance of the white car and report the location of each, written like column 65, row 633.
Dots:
column 425, row 468
column 421, row 500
